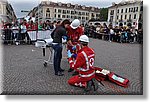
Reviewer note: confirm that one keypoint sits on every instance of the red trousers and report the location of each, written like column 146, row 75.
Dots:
column 78, row 81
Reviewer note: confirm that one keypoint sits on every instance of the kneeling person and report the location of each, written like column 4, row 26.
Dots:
column 84, row 65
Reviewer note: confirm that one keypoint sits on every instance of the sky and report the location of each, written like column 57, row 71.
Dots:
column 28, row 5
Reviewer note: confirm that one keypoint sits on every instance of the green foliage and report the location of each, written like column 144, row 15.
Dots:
column 103, row 14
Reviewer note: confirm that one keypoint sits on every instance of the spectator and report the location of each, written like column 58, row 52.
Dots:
column 15, row 30
column 8, row 34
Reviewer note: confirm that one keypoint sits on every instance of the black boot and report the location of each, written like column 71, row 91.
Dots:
column 61, row 70
column 75, row 73
column 89, row 86
column 70, row 70
column 94, row 84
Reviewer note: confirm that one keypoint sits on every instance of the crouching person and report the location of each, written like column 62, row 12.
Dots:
column 84, row 65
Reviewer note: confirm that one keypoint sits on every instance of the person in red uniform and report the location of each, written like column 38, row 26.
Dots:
column 84, row 65
column 74, row 31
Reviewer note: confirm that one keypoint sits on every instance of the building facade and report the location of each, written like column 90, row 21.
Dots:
column 7, row 13
column 126, row 12
column 48, row 10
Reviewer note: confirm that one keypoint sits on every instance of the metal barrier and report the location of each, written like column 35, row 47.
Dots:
column 10, row 36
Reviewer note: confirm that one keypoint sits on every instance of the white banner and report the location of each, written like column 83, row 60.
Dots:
column 34, row 35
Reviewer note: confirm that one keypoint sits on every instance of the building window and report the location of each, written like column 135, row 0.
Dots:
column 68, row 16
column 47, row 15
column 130, row 16
column 121, row 17
column 111, row 18
column 134, row 9
column 140, row 18
column 125, row 17
column 141, row 9
column 87, row 18
column 134, row 16
column 129, row 9
column 79, row 13
column 118, row 11
column 59, row 11
column 63, row 16
column 137, row 9
column 121, row 10
column 83, row 13
column 117, row 17
column 72, row 12
column 112, row 12
column 59, row 16
column 83, row 18
column 55, row 15
column 126, row 10
column 124, row 23
column 64, row 11
column 47, row 10
column 68, row 12
column 55, row 10
column 87, row 14
column 92, row 15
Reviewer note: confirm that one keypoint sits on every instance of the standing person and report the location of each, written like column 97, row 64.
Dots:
column 8, row 33
column 59, row 33
column 23, row 27
column 15, row 30
column 74, row 31
column 84, row 64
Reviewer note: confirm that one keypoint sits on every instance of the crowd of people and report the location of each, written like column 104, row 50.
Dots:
column 121, row 34
column 17, row 33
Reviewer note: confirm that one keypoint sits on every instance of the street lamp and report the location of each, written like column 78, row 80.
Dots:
column 24, row 11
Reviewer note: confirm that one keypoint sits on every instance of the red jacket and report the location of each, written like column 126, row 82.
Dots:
column 84, row 63
column 74, row 34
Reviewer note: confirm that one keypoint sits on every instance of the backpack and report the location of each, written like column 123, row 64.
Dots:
column 121, row 81
column 102, row 75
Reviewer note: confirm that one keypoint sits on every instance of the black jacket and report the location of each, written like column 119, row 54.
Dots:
column 58, row 33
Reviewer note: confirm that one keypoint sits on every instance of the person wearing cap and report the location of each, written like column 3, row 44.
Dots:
column 58, row 34
column 74, row 31
column 84, row 65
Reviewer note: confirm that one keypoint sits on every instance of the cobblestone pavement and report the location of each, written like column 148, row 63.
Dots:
column 24, row 73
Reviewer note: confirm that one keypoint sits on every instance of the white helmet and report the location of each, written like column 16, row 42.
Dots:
column 75, row 24
column 84, row 38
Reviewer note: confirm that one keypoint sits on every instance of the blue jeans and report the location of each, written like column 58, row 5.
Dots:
column 57, row 57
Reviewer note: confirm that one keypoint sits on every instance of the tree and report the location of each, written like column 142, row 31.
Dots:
column 103, row 14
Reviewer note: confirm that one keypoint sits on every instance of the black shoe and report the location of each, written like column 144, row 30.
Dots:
column 59, row 74
column 75, row 73
column 94, row 84
column 70, row 70
column 89, row 86
column 61, row 70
